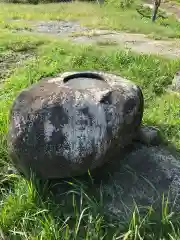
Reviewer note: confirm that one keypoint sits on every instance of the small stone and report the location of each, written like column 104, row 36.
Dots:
column 175, row 86
column 11, row 170
column 176, row 82
column 149, row 135
column 64, row 126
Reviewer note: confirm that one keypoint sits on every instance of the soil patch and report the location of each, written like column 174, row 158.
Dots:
column 79, row 34
column 171, row 8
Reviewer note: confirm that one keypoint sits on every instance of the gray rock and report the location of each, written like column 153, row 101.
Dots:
column 11, row 170
column 175, row 85
column 176, row 82
column 63, row 126
column 59, row 27
column 141, row 179
column 148, row 135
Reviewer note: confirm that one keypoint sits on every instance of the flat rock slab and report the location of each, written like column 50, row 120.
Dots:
column 79, row 34
column 59, row 27
column 146, row 174
column 141, row 177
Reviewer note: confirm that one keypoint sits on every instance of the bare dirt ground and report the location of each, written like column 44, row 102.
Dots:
column 136, row 42
column 169, row 6
column 172, row 7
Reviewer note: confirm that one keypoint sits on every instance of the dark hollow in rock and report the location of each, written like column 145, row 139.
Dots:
column 61, row 127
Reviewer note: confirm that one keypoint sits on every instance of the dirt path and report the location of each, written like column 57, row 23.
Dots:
column 172, row 7
column 137, row 42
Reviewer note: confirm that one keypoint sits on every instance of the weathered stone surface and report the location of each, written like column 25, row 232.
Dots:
column 63, row 126
column 141, row 178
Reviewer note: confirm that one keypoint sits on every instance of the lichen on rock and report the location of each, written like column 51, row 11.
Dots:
column 63, row 126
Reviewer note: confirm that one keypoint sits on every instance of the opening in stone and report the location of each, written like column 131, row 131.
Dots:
column 84, row 80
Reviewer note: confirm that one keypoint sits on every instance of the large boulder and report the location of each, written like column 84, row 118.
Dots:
column 63, row 126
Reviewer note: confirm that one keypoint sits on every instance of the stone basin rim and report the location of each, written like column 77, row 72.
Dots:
column 83, row 74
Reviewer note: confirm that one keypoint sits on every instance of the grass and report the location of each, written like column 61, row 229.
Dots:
column 29, row 212
column 106, row 16
column 24, row 215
